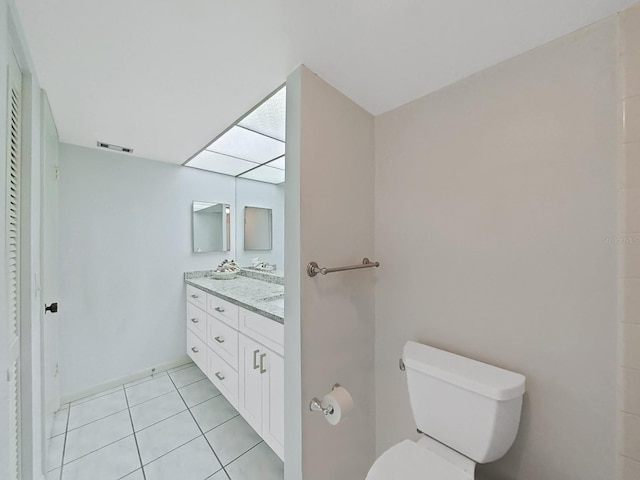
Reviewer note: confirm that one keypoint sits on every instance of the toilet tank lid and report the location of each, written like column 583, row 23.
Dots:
column 482, row 378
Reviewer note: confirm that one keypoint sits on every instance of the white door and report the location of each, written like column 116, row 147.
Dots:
column 273, row 402
column 49, row 265
column 250, row 382
column 11, row 333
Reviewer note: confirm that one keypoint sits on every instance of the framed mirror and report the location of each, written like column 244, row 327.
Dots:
column 257, row 228
column 211, row 227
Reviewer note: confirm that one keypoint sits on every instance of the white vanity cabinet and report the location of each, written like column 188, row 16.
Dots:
column 241, row 352
column 261, row 377
column 261, row 391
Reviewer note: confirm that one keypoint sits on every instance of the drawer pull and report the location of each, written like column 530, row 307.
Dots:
column 262, row 369
column 193, row 295
column 195, row 320
column 219, row 376
column 194, row 350
column 219, row 339
column 255, row 359
column 219, row 309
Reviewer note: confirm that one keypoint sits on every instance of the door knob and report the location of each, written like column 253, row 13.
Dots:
column 53, row 308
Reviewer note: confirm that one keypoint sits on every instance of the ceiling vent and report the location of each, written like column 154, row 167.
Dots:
column 117, row 148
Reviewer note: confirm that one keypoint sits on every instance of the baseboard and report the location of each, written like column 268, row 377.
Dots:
column 126, row 379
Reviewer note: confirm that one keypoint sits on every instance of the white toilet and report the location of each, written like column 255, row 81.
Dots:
column 468, row 411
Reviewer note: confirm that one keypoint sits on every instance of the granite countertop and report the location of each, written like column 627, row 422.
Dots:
column 261, row 296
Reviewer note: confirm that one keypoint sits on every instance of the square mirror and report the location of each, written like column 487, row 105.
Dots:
column 211, row 227
column 257, row 228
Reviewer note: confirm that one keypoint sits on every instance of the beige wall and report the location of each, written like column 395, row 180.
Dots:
column 495, row 203
column 629, row 240
column 331, row 139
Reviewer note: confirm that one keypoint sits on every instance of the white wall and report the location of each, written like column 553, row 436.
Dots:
column 250, row 193
column 494, row 198
column 293, row 401
column 629, row 240
column 125, row 242
column 336, row 226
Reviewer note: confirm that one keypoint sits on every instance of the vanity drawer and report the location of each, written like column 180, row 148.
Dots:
column 197, row 297
column 264, row 330
column 223, row 377
column 223, row 340
column 197, row 320
column 223, row 310
column 197, row 350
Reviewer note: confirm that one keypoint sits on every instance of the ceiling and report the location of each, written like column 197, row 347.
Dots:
column 165, row 77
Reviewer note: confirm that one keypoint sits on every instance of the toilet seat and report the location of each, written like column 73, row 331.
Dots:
column 409, row 460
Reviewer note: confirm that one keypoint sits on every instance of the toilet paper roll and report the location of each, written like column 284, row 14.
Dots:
column 340, row 399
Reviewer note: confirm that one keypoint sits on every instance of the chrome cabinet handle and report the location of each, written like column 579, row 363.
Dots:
column 262, row 369
column 255, row 359
column 193, row 295
column 194, row 350
column 219, row 339
column 195, row 320
column 219, row 376
column 219, row 309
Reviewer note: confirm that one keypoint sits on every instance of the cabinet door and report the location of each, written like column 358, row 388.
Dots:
column 197, row 350
column 223, row 340
column 223, row 376
column 273, row 402
column 250, row 382
column 197, row 320
column 197, row 297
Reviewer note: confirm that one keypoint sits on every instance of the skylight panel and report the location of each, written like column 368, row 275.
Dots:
column 242, row 143
column 277, row 163
column 269, row 118
column 216, row 162
column 265, row 173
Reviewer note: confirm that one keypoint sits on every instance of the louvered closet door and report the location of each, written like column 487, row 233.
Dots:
column 14, row 120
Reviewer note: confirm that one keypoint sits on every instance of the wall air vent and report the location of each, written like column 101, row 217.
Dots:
column 117, row 148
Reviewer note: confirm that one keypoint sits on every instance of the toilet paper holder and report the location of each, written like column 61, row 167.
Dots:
column 316, row 405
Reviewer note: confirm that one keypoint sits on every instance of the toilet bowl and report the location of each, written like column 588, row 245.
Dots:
column 469, row 412
column 421, row 460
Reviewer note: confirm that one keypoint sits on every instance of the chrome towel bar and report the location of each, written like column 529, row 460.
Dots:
column 313, row 269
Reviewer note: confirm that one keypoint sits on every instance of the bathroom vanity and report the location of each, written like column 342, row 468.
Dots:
column 235, row 335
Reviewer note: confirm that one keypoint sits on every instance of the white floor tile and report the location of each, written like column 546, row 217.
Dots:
column 96, row 409
column 143, row 392
column 59, row 422
column 96, row 395
column 221, row 475
column 259, row 462
column 187, row 376
column 165, row 436
column 155, row 410
column 55, row 448
column 137, row 475
column 54, row 474
column 93, row 436
column 198, row 392
column 193, row 461
column 232, row 439
column 109, row 463
column 213, row 412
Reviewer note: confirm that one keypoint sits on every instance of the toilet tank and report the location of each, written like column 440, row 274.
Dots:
column 472, row 407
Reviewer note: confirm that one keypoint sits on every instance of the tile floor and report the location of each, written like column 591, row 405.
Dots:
column 174, row 425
